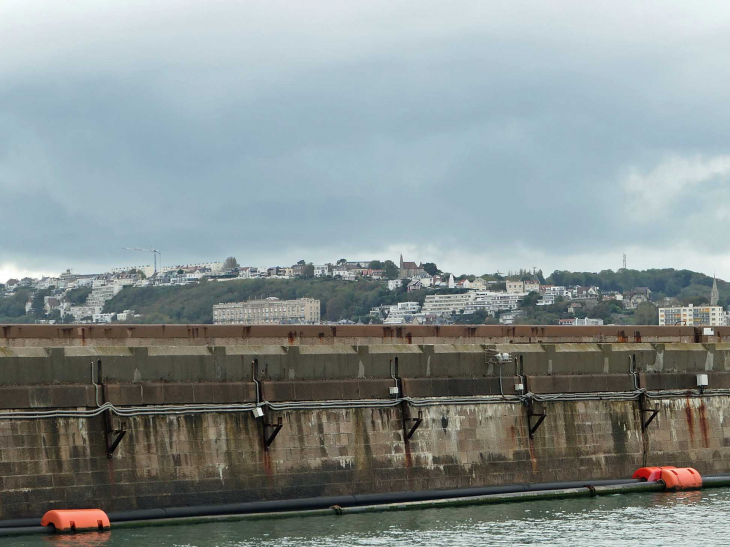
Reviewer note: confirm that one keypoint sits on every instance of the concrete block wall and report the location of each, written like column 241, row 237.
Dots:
column 215, row 458
column 691, row 433
column 160, row 374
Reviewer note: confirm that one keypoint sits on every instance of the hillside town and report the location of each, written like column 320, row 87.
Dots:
column 443, row 297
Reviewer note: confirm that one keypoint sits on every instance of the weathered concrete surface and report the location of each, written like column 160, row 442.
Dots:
column 217, row 458
column 355, row 335
column 237, row 363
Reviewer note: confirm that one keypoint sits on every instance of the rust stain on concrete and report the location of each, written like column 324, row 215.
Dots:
column 703, row 425
column 408, row 458
column 690, row 420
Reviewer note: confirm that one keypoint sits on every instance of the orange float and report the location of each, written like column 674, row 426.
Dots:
column 650, row 474
column 76, row 520
column 683, row 478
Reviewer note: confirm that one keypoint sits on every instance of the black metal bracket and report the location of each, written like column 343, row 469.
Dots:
column 540, row 418
column 113, row 436
column 408, row 433
column 268, row 439
column 653, row 412
column 644, row 410
column 112, row 446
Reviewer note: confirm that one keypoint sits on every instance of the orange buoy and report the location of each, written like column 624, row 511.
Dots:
column 76, row 520
column 650, row 473
column 683, row 478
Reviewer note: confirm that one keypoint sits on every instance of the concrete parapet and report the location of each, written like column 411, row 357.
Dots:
column 580, row 383
column 681, row 357
column 327, row 390
column 356, row 335
column 632, row 356
column 236, row 363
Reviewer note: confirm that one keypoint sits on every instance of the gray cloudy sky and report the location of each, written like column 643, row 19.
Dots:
column 480, row 135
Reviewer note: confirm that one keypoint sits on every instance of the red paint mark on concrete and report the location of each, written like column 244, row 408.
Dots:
column 703, row 425
column 690, row 420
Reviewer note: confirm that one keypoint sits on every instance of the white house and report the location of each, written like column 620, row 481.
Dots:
column 394, row 284
column 347, row 275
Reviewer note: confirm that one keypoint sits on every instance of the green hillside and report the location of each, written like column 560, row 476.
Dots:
column 194, row 303
column 354, row 299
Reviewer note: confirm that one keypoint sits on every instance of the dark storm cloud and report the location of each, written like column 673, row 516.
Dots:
column 267, row 130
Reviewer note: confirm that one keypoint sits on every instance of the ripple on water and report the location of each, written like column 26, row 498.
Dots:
column 689, row 518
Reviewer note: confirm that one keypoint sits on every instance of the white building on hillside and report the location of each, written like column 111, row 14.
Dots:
column 493, row 302
column 268, row 311
column 693, row 316
column 402, row 312
column 214, row 267
column 447, row 304
column 394, row 284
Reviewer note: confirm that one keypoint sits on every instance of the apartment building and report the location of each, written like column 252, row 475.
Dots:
column 267, row 311
column 402, row 312
column 693, row 316
column 494, row 301
column 447, row 304
column 519, row 287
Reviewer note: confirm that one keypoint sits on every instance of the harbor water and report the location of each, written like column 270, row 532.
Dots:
column 685, row 518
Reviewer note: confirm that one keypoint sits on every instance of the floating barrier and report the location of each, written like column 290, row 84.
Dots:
column 675, row 478
column 645, row 479
column 76, row 520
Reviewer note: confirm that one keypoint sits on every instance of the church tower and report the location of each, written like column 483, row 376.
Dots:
column 715, row 294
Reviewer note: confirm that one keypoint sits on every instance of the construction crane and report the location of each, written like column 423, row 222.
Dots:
column 154, row 252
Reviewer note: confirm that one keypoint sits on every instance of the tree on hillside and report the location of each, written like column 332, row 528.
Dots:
column 342, row 262
column 301, row 263
column 39, row 303
column 479, row 317
column 646, row 314
column 78, row 296
column 308, row 270
column 530, row 300
column 230, row 263
column 391, row 270
column 431, row 268
column 376, row 265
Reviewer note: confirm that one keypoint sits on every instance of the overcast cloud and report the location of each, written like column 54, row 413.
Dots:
column 479, row 135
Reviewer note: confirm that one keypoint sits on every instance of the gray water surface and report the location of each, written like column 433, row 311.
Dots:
column 689, row 518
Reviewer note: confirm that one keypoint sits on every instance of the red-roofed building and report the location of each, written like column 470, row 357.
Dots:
column 409, row 269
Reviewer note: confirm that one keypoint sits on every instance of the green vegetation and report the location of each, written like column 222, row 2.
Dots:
column 354, row 299
column 194, row 303
column 12, row 309
column 685, row 285
column 77, row 297
column 230, row 263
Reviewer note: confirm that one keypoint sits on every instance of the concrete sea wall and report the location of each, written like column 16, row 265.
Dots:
column 340, row 429
column 217, row 458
